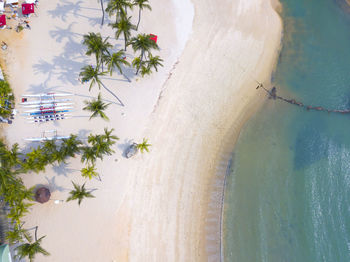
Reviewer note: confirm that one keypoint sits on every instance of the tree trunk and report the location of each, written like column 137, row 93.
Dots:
column 138, row 69
column 121, row 103
column 36, row 231
column 137, row 27
column 103, row 12
column 125, row 41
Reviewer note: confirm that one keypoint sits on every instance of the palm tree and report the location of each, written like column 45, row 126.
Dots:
column 124, row 26
column 36, row 160
column 79, row 193
column 96, row 106
column 31, row 249
column 154, row 61
column 145, row 70
column 119, row 8
column 51, row 150
column 89, row 73
column 100, row 145
column 89, row 172
column 96, row 45
column 143, row 146
column 115, row 60
column 16, row 235
column 142, row 43
column 88, row 155
column 142, row 4
column 10, row 158
column 109, row 137
column 70, row 146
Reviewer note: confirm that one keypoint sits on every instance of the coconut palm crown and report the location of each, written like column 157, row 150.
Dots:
column 79, row 193
column 144, row 146
column 97, row 106
column 115, row 60
column 31, row 249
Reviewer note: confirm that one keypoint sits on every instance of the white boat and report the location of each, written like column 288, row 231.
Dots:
column 49, row 95
column 48, row 105
column 48, row 109
column 45, row 113
column 46, row 138
column 48, row 116
column 45, row 101
column 38, row 139
column 49, row 119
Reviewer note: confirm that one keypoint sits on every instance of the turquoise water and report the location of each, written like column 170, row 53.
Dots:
column 288, row 196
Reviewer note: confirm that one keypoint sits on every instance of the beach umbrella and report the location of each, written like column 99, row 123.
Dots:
column 42, row 195
column 153, row 37
column 2, row 20
column 27, row 9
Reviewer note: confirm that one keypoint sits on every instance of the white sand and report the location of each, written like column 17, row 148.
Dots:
column 164, row 205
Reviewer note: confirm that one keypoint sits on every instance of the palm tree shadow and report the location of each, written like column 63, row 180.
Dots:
column 42, row 88
column 60, row 34
column 62, row 169
column 53, row 185
column 124, row 146
column 66, row 8
column 92, row 97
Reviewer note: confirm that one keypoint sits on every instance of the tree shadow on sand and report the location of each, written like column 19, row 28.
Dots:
column 66, row 8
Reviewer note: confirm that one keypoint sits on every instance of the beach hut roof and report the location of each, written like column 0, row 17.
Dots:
column 42, row 195
column 27, row 9
column 5, row 255
column 2, row 20
column 2, row 9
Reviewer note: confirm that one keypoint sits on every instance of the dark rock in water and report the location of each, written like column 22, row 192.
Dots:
column 131, row 150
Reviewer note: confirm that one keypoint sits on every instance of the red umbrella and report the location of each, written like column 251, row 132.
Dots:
column 42, row 195
column 153, row 37
column 27, row 9
column 2, row 20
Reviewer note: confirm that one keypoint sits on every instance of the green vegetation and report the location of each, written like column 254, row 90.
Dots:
column 31, row 249
column 144, row 146
column 15, row 163
column 6, row 99
column 79, row 193
column 96, row 106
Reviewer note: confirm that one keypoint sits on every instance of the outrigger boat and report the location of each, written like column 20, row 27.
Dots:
column 50, row 112
column 43, row 109
column 48, row 116
column 49, row 95
column 48, row 105
column 45, row 101
column 49, row 119
column 46, row 138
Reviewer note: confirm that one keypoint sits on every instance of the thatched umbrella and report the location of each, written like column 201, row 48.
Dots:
column 42, row 195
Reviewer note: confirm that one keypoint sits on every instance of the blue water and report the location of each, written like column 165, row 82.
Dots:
column 288, row 196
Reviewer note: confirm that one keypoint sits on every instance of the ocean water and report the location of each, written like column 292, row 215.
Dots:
column 288, row 195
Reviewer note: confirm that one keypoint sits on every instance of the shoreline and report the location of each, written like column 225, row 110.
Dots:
column 229, row 150
column 162, row 205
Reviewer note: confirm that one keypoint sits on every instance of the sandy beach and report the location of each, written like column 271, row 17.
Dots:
column 164, row 205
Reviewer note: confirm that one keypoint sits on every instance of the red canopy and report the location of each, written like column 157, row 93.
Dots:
column 2, row 20
column 27, row 9
column 153, row 37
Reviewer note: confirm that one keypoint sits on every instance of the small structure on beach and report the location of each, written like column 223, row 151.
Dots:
column 2, row 21
column 153, row 37
column 27, row 9
column 42, row 195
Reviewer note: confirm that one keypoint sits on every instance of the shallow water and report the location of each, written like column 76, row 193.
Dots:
column 288, row 196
